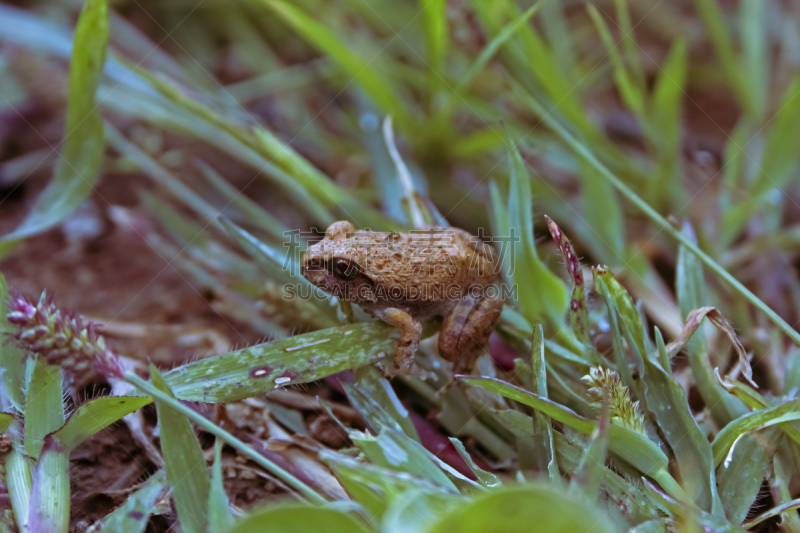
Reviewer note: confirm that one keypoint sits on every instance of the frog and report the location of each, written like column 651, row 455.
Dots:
column 405, row 279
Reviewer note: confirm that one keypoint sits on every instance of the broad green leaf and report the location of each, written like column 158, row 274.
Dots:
column 264, row 367
column 730, row 433
column 487, row 479
column 362, row 72
column 631, row 446
column 78, row 167
column 134, row 514
column 50, row 502
column 94, row 416
column 44, row 407
column 291, row 518
column 183, row 462
column 517, row 509
column 220, row 517
column 12, row 359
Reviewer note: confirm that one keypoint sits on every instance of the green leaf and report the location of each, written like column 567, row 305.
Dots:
column 729, row 434
column 518, row 509
column 540, row 292
column 50, row 503
column 379, row 403
column 94, row 416
column 624, row 304
column 362, row 72
column 543, row 448
column 589, row 473
column 739, row 480
column 19, row 480
column 667, row 97
column 264, row 367
column 487, row 479
column 220, row 517
column 134, row 514
column 183, row 462
column 78, row 167
column 603, row 213
column 12, row 359
column 291, row 518
column 434, row 18
column 44, row 408
column 783, row 468
column 5, row 421
column 629, row 445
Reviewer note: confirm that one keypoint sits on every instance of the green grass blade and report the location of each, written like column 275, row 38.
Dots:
column 487, row 479
column 12, row 359
column 94, row 416
column 582, row 151
column 590, row 470
column 183, row 462
column 19, row 480
column 631, row 446
column 729, row 434
column 624, row 304
column 220, row 517
column 375, row 388
column 756, row 54
column 50, row 503
column 434, row 18
column 44, row 407
column 723, row 43
column 601, row 208
column 632, row 55
column 783, row 468
column 740, row 478
column 79, row 166
column 134, row 514
column 207, row 425
column 544, row 456
column 293, row 518
column 494, row 45
column 362, row 72
column 264, row 367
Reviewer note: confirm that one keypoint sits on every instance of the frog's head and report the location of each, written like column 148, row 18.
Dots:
column 333, row 265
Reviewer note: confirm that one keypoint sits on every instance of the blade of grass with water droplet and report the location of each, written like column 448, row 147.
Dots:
column 264, row 367
column 183, row 462
column 78, row 167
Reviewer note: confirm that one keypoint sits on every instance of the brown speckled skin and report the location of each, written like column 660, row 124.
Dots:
column 403, row 278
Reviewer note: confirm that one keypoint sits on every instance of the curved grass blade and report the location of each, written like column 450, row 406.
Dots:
column 264, row 367
column 728, row 436
column 487, row 479
column 631, row 446
column 220, row 517
column 96, row 415
column 376, row 86
column 183, row 462
column 78, row 167
column 133, row 515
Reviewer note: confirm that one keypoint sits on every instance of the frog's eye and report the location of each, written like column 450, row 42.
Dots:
column 344, row 270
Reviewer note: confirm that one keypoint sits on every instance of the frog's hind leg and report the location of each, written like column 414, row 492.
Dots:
column 466, row 329
column 407, row 343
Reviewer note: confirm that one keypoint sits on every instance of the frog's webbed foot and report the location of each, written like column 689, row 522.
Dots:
column 407, row 343
column 466, row 329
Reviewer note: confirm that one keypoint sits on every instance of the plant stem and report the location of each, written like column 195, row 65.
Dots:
column 305, row 491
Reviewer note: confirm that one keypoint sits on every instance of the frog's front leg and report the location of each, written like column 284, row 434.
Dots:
column 466, row 329
column 407, row 344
